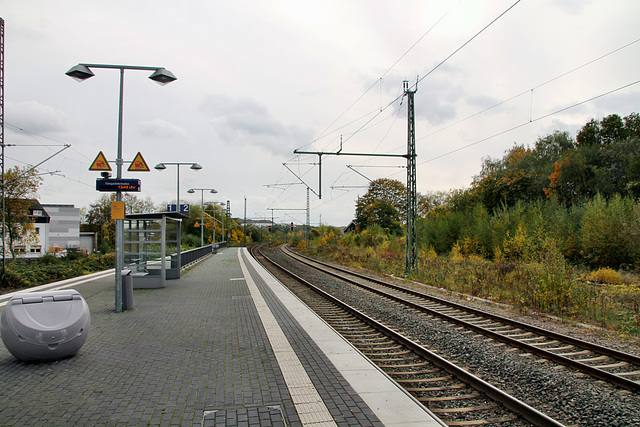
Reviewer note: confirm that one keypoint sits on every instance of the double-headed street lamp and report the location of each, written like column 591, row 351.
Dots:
column 160, row 75
column 163, row 166
column 202, row 190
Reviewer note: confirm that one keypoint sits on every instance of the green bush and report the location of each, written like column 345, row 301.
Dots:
column 26, row 273
column 610, row 232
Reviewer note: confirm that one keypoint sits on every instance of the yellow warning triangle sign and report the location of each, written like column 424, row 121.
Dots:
column 138, row 164
column 100, row 163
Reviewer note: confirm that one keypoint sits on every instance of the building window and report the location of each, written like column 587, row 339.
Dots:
column 37, row 212
column 37, row 230
column 35, row 250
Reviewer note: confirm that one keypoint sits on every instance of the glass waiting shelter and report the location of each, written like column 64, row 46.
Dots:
column 152, row 248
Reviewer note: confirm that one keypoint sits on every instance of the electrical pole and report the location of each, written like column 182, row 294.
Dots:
column 3, row 279
column 412, row 202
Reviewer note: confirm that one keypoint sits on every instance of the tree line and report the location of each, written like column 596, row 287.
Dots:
column 578, row 195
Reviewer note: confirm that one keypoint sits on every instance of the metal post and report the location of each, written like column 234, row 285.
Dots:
column 3, row 278
column 119, row 222
column 308, row 230
column 412, row 204
column 178, row 188
column 82, row 72
column 178, row 243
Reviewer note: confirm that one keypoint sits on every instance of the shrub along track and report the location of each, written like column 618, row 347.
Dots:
column 569, row 396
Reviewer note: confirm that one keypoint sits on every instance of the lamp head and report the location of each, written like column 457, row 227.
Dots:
column 213, row 191
column 191, row 191
column 80, row 73
column 196, row 167
column 160, row 166
column 162, row 76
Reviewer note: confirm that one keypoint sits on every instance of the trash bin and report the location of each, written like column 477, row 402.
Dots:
column 127, row 290
column 45, row 326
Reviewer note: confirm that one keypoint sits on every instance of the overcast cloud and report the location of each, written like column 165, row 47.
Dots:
column 257, row 80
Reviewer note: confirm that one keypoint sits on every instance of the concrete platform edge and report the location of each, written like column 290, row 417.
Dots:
column 393, row 405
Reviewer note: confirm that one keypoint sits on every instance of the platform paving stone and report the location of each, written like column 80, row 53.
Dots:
column 192, row 354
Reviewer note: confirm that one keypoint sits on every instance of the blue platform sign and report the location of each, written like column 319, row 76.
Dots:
column 184, row 208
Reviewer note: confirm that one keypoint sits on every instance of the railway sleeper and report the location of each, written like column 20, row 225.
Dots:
column 575, row 353
column 376, row 341
column 503, row 330
column 485, row 323
column 423, row 372
column 484, row 421
column 613, row 366
column 629, row 374
column 425, row 380
column 387, row 353
column 521, row 335
column 542, row 344
column 594, row 359
column 363, row 335
column 378, row 347
column 530, row 340
column 409, row 365
column 449, row 398
column 388, row 360
column 463, row 409
column 435, row 389
column 566, row 347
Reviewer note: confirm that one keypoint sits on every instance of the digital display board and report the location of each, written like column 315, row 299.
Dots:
column 122, row 184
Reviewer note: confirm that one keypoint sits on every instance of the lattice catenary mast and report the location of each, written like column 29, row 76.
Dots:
column 412, row 202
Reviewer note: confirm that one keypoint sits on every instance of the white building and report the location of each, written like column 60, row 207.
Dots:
column 57, row 228
column 64, row 226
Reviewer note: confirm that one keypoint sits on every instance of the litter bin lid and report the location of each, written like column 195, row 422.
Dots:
column 47, row 296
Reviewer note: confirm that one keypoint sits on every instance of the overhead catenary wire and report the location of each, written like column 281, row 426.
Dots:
column 378, row 80
column 419, row 79
column 534, row 88
column 399, row 97
column 532, row 120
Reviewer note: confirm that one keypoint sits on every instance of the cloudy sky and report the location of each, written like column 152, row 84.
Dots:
column 259, row 79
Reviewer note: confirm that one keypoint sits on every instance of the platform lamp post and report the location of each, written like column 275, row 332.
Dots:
column 163, row 166
column 161, row 76
column 202, row 190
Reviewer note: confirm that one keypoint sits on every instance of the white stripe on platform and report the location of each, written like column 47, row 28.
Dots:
column 308, row 403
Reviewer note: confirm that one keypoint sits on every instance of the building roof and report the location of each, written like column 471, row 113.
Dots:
column 36, row 206
column 156, row 215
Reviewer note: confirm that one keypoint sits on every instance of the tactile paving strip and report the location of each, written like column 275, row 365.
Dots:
column 308, row 402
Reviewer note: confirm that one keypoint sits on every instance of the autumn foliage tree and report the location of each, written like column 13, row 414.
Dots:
column 383, row 204
column 97, row 217
column 21, row 187
column 604, row 159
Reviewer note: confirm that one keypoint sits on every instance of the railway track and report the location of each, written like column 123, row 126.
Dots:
column 453, row 394
column 615, row 367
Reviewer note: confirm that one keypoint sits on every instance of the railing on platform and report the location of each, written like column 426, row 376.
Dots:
column 193, row 255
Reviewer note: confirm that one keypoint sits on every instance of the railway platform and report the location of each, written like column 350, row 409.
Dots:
column 224, row 345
